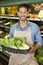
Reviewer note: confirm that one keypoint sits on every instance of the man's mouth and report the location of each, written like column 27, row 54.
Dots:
column 22, row 17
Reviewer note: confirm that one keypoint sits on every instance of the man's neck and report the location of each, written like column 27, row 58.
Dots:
column 23, row 24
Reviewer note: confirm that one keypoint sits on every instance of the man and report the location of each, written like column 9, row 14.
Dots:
column 27, row 29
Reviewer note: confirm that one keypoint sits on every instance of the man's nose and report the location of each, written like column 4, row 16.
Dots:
column 23, row 14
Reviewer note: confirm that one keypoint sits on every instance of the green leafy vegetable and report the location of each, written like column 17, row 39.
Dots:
column 39, row 55
column 18, row 43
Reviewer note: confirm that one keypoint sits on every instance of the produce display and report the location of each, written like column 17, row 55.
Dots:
column 11, row 22
column 8, row 23
column 5, row 27
column 16, row 43
column 39, row 55
column 20, row 43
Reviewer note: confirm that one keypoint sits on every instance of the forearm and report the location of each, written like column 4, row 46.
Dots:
column 34, row 48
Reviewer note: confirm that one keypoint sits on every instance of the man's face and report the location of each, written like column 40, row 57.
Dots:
column 23, row 13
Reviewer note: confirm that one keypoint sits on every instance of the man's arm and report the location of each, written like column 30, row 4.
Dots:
column 12, row 29
column 38, row 40
column 34, row 48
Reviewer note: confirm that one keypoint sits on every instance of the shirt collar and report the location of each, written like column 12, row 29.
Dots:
column 27, row 25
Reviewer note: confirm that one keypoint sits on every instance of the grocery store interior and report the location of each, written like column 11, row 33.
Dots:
column 8, row 17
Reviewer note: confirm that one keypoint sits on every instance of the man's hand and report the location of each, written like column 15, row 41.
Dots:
column 34, row 48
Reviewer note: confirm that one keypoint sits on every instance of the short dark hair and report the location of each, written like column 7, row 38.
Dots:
column 23, row 5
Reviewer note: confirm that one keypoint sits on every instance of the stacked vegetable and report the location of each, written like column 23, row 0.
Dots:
column 39, row 55
column 20, row 43
column 17, row 43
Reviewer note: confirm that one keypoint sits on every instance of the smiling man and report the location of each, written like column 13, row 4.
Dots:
column 27, row 29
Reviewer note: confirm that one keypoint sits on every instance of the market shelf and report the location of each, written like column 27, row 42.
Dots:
column 13, row 17
column 4, row 57
column 8, row 17
column 38, row 21
column 4, row 26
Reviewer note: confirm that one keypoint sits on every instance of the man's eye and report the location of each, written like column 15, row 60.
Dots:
column 20, row 12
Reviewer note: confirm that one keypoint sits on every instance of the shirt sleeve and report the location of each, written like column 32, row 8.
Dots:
column 11, row 33
column 12, row 29
column 38, row 37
